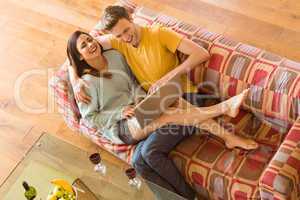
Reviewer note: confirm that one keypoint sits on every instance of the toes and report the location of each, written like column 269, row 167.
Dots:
column 249, row 145
column 254, row 145
column 246, row 91
column 229, row 146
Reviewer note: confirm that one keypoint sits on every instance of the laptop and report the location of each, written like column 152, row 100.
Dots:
column 153, row 105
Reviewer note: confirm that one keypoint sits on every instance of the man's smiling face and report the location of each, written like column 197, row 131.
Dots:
column 125, row 31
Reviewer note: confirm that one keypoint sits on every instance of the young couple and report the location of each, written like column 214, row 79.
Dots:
column 106, row 92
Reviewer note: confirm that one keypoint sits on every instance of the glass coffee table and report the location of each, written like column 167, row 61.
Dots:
column 51, row 158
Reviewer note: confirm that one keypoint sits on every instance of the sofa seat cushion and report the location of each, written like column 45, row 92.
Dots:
column 220, row 173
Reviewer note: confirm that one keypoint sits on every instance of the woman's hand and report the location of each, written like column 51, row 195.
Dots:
column 80, row 92
column 128, row 112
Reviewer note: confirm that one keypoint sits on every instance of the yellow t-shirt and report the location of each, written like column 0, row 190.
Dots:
column 154, row 57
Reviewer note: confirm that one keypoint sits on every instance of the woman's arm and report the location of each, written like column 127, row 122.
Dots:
column 137, row 89
column 93, row 112
column 79, row 85
column 72, row 74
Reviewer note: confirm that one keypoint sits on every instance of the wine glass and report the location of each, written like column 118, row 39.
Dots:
column 133, row 180
column 95, row 158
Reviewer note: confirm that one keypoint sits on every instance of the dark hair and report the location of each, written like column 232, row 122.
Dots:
column 82, row 67
column 111, row 16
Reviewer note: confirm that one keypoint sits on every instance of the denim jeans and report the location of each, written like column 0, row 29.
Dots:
column 151, row 159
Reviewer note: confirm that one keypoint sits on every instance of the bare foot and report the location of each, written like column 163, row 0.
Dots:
column 235, row 102
column 233, row 141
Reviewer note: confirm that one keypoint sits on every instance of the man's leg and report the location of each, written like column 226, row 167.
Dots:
column 144, row 170
column 156, row 149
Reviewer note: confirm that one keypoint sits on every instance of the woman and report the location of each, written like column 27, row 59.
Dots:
column 114, row 92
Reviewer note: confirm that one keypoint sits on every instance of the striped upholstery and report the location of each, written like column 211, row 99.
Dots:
column 219, row 173
column 280, row 179
column 272, row 107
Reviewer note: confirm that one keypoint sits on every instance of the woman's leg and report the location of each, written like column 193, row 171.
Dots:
column 185, row 113
column 174, row 115
column 189, row 115
column 210, row 125
column 229, row 107
column 231, row 140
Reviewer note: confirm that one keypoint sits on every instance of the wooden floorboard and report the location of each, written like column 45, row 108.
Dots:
column 34, row 34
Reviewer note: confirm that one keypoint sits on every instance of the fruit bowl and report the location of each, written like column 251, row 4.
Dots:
column 62, row 191
column 75, row 192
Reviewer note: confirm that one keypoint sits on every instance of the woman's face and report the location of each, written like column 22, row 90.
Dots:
column 88, row 47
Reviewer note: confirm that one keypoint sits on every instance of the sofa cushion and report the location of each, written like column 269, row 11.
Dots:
column 281, row 179
column 228, row 174
column 64, row 97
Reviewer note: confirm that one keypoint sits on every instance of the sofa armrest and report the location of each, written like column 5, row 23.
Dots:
column 64, row 97
column 281, row 177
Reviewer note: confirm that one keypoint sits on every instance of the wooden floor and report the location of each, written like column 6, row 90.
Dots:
column 33, row 40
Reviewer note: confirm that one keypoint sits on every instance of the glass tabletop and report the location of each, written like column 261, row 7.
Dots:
column 51, row 158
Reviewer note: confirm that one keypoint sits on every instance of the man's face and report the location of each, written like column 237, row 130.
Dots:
column 125, row 31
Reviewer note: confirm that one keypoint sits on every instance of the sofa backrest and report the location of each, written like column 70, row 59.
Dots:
column 233, row 66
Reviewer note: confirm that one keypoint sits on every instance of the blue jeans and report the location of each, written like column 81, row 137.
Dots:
column 151, row 160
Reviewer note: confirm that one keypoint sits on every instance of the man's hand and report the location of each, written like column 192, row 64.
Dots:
column 138, row 100
column 80, row 92
column 154, row 87
column 128, row 112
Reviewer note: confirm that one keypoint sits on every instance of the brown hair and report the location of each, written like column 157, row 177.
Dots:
column 111, row 16
column 82, row 67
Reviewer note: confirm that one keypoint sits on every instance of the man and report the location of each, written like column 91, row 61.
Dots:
column 151, row 54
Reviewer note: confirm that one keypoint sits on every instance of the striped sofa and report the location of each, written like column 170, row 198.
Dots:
column 269, row 115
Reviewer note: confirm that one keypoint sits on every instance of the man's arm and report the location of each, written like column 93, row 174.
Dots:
column 196, row 55
column 105, row 41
